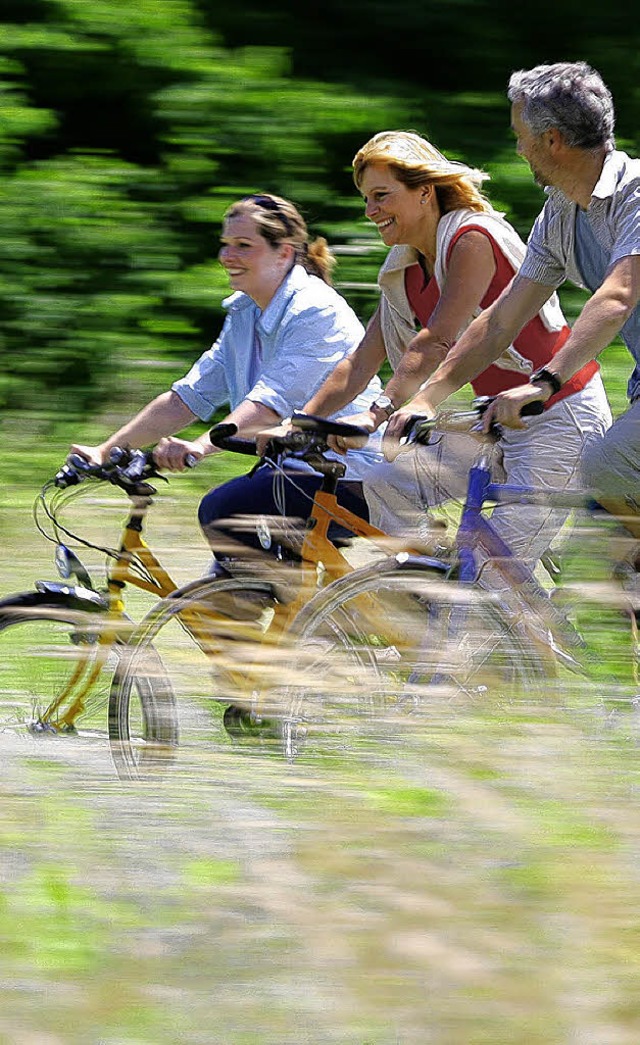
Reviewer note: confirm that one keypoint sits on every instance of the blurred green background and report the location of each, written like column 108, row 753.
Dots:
column 478, row 887
column 128, row 126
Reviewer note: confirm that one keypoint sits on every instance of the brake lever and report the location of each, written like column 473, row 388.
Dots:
column 133, row 475
column 417, row 429
column 75, row 470
column 292, row 441
column 482, row 403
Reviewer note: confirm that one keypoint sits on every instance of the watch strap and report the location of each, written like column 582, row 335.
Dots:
column 386, row 407
column 548, row 377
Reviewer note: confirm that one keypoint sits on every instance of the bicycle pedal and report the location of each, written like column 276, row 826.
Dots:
column 41, row 729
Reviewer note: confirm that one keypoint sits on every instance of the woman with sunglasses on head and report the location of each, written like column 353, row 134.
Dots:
column 286, row 329
column 451, row 256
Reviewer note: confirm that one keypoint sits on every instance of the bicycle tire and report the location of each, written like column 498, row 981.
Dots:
column 47, row 642
column 367, row 683
column 197, row 684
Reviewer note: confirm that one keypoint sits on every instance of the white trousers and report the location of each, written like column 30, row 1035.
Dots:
column 544, row 454
column 611, row 467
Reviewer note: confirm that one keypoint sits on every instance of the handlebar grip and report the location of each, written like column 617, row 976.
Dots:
column 79, row 463
column 67, row 476
column 324, row 426
column 412, row 421
column 222, row 431
column 74, row 471
column 222, row 436
column 532, row 409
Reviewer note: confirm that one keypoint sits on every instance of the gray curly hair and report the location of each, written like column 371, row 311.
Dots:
column 570, row 96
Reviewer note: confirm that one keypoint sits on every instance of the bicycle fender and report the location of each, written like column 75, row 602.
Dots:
column 84, row 597
column 411, row 560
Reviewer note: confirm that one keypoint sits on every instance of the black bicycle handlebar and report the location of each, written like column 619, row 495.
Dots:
column 309, row 434
column 323, row 426
column 418, row 428
column 223, row 436
column 128, row 469
column 533, row 409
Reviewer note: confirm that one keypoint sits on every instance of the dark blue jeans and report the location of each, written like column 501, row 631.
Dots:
column 231, row 515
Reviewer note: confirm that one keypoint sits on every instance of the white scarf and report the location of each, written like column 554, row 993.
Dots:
column 396, row 316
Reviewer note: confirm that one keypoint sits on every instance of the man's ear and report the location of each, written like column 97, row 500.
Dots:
column 555, row 139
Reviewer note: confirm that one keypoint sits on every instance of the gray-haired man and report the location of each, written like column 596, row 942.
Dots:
column 588, row 232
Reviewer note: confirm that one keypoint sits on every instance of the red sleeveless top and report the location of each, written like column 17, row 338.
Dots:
column 534, row 341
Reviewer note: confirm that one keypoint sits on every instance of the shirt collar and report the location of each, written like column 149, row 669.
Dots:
column 402, row 256
column 237, row 301
column 610, row 175
column 295, row 280
column 614, row 163
column 268, row 320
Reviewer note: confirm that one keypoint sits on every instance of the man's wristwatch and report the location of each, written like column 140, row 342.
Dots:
column 384, row 404
column 548, row 377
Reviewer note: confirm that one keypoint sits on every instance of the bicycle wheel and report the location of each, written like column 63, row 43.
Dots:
column 394, row 640
column 55, row 674
column 210, row 638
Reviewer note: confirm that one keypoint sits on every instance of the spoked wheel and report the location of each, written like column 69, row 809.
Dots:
column 56, row 667
column 337, row 696
column 392, row 644
column 209, row 644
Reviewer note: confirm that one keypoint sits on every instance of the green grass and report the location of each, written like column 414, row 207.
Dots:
column 477, row 884
column 419, row 898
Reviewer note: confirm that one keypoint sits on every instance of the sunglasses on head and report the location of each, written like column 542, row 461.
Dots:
column 267, row 203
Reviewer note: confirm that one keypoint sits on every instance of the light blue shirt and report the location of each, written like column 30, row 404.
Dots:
column 281, row 357
column 583, row 246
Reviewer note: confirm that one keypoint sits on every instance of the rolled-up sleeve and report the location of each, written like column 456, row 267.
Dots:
column 310, row 345
column 205, row 387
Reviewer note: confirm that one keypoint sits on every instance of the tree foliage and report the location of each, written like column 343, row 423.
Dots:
column 128, row 126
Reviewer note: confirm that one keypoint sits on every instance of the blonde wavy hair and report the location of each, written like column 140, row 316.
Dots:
column 279, row 221
column 414, row 161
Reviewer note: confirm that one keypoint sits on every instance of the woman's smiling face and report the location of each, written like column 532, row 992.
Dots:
column 395, row 209
column 253, row 265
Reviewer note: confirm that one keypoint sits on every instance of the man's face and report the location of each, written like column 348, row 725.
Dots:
column 534, row 148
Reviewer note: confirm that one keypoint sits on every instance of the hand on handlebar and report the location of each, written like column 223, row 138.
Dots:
column 394, row 441
column 277, row 432
column 508, row 408
column 174, row 455
column 342, row 443
column 95, row 455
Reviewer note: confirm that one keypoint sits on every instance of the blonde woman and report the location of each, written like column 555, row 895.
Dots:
column 451, row 256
